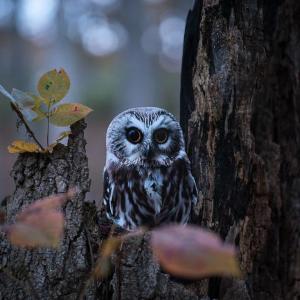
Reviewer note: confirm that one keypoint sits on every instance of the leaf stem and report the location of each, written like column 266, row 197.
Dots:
column 21, row 117
column 48, row 125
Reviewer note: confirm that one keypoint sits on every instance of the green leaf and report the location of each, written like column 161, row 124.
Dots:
column 69, row 113
column 54, row 85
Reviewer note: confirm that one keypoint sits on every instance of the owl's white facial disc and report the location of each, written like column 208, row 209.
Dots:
column 144, row 136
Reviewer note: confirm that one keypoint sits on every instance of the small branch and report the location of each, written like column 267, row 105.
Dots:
column 88, row 237
column 21, row 117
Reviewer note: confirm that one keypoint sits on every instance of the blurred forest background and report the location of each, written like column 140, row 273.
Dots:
column 118, row 54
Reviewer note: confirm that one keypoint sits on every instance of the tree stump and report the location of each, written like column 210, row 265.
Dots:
column 51, row 273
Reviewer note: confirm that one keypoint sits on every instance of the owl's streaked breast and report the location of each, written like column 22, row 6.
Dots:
column 153, row 185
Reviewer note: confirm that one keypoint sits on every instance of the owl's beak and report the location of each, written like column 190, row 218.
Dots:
column 148, row 152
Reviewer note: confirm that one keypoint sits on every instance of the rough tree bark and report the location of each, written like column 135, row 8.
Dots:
column 240, row 112
column 51, row 274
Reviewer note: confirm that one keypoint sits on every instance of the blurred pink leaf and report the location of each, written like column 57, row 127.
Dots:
column 46, row 203
column 40, row 229
column 40, row 224
column 192, row 252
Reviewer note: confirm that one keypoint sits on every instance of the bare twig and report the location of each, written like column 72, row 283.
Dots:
column 88, row 237
column 21, row 117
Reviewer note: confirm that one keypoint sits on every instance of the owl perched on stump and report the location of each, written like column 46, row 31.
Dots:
column 147, row 176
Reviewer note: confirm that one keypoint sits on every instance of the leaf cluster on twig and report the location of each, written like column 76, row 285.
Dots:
column 52, row 87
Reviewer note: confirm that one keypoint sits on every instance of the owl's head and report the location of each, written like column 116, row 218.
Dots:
column 144, row 136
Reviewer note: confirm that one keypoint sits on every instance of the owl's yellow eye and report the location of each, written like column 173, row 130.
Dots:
column 161, row 135
column 134, row 135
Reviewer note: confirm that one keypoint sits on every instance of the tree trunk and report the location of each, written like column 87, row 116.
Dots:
column 240, row 111
column 46, row 273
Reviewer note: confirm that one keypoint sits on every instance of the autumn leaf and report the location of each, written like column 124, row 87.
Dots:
column 39, row 229
column 40, row 224
column 47, row 203
column 40, row 107
column 54, row 85
column 69, row 113
column 19, row 146
column 192, row 252
column 103, row 264
column 62, row 136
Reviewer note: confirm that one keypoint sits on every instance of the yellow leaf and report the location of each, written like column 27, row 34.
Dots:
column 62, row 135
column 69, row 113
column 40, row 115
column 19, row 146
column 40, row 107
column 39, row 100
column 54, row 85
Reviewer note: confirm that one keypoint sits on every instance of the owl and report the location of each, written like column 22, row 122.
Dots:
column 147, row 175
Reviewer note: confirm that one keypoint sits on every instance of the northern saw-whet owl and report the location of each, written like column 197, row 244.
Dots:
column 147, row 176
